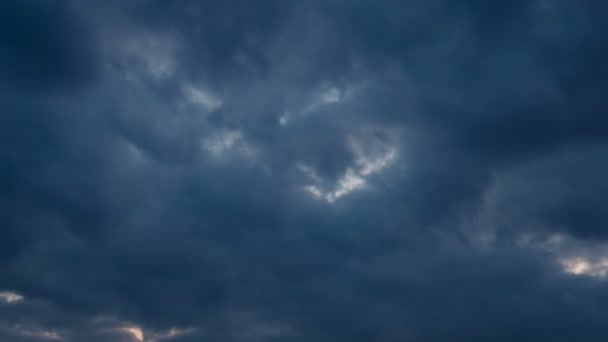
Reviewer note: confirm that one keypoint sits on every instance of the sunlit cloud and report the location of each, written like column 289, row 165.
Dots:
column 350, row 182
column 10, row 297
column 585, row 267
column 201, row 97
column 135, row 331
column 371, row 157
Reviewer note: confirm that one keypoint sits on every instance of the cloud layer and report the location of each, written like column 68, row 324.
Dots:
column 303, row 171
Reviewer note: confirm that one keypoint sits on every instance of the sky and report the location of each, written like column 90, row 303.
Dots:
column 320, row 170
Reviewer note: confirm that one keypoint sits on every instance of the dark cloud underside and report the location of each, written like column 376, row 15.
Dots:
column 303, row 171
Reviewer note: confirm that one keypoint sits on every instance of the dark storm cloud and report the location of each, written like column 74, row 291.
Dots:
column 45, row 45
column 329, row 171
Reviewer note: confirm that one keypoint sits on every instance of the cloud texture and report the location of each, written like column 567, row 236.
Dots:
column 321, row 170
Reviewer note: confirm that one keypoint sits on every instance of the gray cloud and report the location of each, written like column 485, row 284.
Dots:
column 328, row 171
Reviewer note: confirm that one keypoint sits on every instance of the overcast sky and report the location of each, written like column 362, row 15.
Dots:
column 319, row 170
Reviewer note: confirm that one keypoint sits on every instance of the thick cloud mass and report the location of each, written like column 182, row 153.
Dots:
column 303, row 171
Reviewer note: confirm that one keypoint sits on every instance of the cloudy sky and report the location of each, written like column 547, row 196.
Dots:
column 320, row 170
